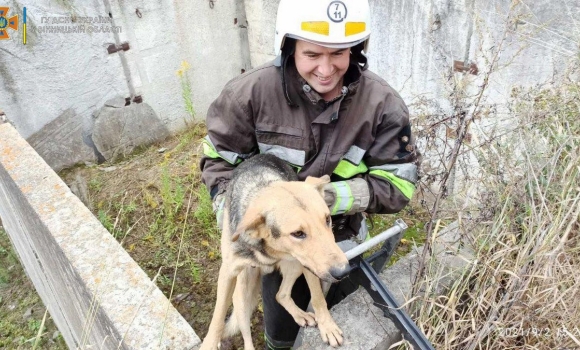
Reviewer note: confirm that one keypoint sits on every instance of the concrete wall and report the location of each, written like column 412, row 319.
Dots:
column 68, row 77
column 414, row 43
column 413, row 46
column 96, row 294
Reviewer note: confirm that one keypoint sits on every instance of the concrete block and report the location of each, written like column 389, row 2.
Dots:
column 119, row 129
column 97, row 295
column 60, row 143
column 363, row 324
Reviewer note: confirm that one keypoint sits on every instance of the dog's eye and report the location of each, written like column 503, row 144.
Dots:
column 299, row 234
column 328, row 221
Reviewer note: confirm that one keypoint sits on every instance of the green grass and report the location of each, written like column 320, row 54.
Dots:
column 17, row 297
column 195, row 271
column 204, row 213
column 95, row 184
column 414, row 235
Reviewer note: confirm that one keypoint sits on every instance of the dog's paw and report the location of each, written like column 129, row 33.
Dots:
column 330, row 333
column 303, row 318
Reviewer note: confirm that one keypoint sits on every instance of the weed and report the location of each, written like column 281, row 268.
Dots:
column 131, row 208
column 172, row 194
column 186, row 89
column 8, row 260
column 34, row 325
column 204, row 214
column 521, row 287
column 95, row 184
column 164, row 280
column 195, row 271
column 105, row 220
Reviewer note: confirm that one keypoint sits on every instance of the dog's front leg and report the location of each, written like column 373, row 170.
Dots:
column 290, row 271
column 225, row 290
column 329, row 331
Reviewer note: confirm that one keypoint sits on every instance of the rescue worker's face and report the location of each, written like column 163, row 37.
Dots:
column 322, row 67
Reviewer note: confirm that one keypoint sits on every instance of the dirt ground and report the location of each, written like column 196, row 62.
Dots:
column 154, row 203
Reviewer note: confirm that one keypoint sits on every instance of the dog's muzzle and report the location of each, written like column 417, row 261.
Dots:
column 339, row 273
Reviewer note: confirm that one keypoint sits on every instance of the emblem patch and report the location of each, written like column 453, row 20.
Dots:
column 337, row 11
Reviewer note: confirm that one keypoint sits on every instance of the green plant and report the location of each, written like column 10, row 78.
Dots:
column 17, row 296
column 204, row 214
column 105, row 220
column 186, row 89
column 95, row 184
column 164, row 280
column 172, row 194
column 195, row 271
column 33, row 325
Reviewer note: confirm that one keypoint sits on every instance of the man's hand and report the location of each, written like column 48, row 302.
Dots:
column 347, row 197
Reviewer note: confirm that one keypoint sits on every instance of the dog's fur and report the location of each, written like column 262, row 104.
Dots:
column 270, row 221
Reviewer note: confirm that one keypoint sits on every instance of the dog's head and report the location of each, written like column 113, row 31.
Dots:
column 292, row 220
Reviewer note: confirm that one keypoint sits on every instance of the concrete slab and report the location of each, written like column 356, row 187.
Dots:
column 97, row 295
column 60, row 143
column 119, row 129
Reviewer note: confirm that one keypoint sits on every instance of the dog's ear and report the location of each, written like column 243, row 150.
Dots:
column 318, row 182
column 250, row 222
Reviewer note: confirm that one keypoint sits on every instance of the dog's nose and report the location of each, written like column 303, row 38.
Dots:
column 340, row 272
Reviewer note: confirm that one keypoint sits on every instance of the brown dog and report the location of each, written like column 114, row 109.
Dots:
column 273, row 221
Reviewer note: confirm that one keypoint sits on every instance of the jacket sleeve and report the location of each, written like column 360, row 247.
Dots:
column 392, row 160
column 230, row 139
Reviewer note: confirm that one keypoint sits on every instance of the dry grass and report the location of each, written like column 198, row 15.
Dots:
column 522, row 287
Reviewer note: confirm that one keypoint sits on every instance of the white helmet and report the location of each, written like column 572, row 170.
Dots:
column 334, row 24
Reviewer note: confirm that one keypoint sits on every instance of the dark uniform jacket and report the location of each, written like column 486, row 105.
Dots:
column 364, row 132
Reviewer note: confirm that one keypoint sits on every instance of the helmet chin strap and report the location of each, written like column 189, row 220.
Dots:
column 287, row 52
column 357, row 56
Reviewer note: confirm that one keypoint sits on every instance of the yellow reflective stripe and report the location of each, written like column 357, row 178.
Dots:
column 352, row 28
column 406, row 171
column 209, row 151
column 322, row 28
column 346, row 169
column 406, row 187
column 344, row 198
